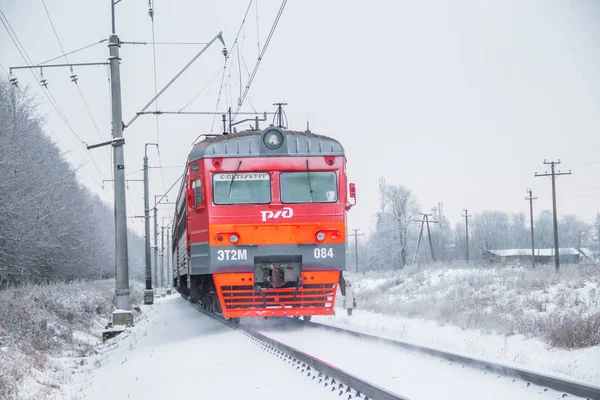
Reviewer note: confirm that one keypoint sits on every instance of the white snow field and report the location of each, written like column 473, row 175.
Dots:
column 498, row 313
column 175, row 352
column 517, row 350
column 414, row 375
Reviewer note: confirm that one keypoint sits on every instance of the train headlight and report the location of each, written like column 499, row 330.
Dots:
column 273, row 139
column 320, row 236
column 234, row 238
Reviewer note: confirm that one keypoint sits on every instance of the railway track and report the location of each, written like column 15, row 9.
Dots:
column 566, row 386
column 346, row 385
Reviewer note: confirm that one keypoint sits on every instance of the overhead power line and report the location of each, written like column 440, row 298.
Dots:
column 151, row 14
column 73, row 76
column 39, row 79
column 201, row 90
column 261, row 56
column 225, row 65
column 553, row 174
column 54, row 29
column 74, row 51
column 165, row 43
column 53, row 133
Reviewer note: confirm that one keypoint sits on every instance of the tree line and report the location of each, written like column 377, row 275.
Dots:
column 51, row 227
column 393, row 243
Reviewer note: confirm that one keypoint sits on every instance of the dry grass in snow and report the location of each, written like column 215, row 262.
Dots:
column 42, row 322
column 561, row 309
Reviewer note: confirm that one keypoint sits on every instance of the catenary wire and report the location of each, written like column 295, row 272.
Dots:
column 21, row 49
column 261, row 56
column 151, row 13
column 74, row 51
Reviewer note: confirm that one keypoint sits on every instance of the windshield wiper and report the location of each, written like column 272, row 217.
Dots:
column 233, row 178
column 309, row 183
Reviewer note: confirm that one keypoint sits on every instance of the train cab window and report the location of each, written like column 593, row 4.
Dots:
column 308, row 187
column 242, row 188
column 197, row 186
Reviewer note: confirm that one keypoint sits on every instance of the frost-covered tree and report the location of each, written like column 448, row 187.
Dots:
column 489, row 230
column 518, row 232
column 51, row 227
column 392, row 241
column 402, row 206
column 573, row 231
column 441, row 237
column 544, row 230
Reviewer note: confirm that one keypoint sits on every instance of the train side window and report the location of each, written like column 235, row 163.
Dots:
column 197, row 186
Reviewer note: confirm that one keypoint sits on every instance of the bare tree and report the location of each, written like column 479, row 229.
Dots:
column 403, row 206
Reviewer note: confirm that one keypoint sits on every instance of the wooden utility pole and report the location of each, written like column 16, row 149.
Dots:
column 553, row 174
column 467, row 216
column 356, row 235
column 424, row 221
column 531, row 198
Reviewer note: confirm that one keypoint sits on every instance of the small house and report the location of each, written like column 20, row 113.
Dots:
column 523, row 256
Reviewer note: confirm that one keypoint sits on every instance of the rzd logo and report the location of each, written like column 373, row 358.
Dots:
column 287, row 212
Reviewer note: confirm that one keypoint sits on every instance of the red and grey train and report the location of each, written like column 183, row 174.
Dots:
column 260, row 224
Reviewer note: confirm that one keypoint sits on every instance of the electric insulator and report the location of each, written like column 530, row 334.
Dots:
column 225, row 52
column 44, row 82
column 74, row 78
column 151, row 13
column 14, row 81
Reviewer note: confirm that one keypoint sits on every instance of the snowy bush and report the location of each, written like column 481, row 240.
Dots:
column 44, row 317
column 38, row 321
column 562, row 309
column 11, row 372
column 572, row 331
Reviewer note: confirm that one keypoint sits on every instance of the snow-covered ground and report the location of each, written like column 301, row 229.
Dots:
column 499, row 314
column 49, row 341
column 414, row 375
column 581, row 364
column 41, row 323
column 176, row 352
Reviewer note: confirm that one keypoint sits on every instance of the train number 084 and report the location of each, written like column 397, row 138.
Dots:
column 323, row 252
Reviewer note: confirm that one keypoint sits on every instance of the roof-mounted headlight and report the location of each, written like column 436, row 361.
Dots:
column 273, row 139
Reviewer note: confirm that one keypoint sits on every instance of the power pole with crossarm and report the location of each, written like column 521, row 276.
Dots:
column 530, row 198
column 553, row 174
column 424, row 221
column 466, row 216
column 356, row 235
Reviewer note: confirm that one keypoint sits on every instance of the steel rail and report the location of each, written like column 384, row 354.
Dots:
column 330, row 375
column 567, row 386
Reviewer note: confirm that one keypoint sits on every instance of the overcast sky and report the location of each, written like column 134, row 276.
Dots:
column 461, row 101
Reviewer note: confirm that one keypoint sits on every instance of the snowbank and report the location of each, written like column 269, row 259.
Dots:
column 40, row 323
column 534, row 318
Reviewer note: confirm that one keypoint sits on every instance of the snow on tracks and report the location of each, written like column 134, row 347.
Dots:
column 174, row 352
column 342, row 383
column 559, row 384
column 417, row 374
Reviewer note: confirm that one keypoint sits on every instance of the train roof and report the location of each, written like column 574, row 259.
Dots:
column 252, row 144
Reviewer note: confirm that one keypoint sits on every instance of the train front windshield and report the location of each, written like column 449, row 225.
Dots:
column 308, row 187
column 242, row 188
